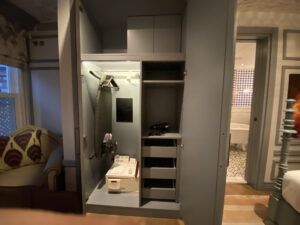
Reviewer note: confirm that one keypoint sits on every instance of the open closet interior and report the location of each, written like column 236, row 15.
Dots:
column 111, row 123
column 131, row 98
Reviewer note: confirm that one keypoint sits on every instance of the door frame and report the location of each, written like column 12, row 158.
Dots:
column 266, row 39
column 245, row 32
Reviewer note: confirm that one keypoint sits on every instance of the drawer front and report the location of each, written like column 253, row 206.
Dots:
column 159, row 193
column 159, row 151
column 159, row 173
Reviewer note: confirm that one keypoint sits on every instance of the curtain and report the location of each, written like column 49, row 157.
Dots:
column 13, row 51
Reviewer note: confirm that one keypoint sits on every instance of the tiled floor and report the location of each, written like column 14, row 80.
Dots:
column 237, row 165
column 244, row 205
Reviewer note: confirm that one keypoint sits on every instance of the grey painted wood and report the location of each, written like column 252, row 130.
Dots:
column 159, row 193
column 157, row 34
column 165, row 136
column 258, row 107
column 167, row 33
column 162, row 205
column 261, row 152
column 285, row 215
column 140, row 34
column 159, row 151
column 162, row 82
column 158, row 57
column 207, row 30
column 101, row 197
column 159, row 173
column 224, row 140
column 160, row 209
column 278, row 213
column 288, row 131
column 179, row 148
column 69, row 68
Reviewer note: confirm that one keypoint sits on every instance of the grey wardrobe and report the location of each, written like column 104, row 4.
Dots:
column 172, row 67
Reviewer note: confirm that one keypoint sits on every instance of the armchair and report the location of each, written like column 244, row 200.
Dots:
column 41, row 174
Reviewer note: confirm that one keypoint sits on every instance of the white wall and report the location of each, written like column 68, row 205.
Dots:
column 46, row 99
column 45, row 84
column 282, row 21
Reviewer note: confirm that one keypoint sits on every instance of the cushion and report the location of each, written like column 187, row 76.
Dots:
column 55, row 158
column 24, row 176
column 20, row 150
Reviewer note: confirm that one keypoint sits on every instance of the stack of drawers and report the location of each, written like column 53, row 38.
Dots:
column 160, row 169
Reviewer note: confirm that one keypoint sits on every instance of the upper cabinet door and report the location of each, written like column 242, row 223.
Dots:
column 167, row 34
column 140, row 34
column 154, row 34
column 206, row 109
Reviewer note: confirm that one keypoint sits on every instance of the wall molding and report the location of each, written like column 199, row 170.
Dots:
column 267, row 186
column 43, row 60
column 44, row 68
column 276, row 161
column 45, row 36
column 70, row 163
column 294, row 141
column 284, row 55
column 291, row 153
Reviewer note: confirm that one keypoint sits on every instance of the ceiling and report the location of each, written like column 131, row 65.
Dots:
column 114, row 12
column 45, row 11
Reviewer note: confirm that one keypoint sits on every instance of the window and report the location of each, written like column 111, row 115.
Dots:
column 10, row 100
column 4, row 79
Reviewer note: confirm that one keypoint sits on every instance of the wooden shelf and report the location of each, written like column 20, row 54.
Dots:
column 164, row 136
column 163, row 81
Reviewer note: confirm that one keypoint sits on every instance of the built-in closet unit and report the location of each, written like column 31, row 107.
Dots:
column 176, row 68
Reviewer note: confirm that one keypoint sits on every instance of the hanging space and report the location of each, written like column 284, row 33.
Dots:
column 111, row 130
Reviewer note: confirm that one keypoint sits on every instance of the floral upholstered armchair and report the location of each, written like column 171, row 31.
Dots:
column 31, row 156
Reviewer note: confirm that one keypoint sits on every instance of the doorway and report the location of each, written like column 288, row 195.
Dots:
column 265, row 40
column 243, row 80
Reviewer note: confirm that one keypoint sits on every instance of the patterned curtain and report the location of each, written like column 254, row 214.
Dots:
column 13, row 51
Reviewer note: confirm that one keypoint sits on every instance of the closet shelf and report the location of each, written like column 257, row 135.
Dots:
column 164, row 136
column 163, row 81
